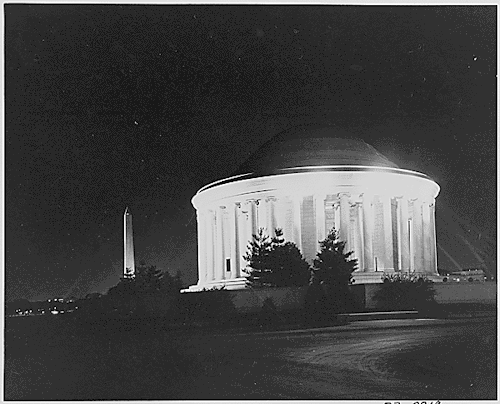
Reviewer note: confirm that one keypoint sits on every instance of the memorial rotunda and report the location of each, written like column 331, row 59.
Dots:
column 306, row 181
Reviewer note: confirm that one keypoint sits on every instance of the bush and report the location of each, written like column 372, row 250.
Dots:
column 405, row 292
column 214, row 306
column 329, row 293
column 272, row 262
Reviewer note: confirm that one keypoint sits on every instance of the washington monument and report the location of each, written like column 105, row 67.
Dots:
column 128, row 246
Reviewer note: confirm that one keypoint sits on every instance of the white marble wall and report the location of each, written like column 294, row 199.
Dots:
column 365, row 221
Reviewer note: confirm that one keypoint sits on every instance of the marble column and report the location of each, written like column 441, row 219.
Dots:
column 251, row 223
column 336, row 215
column 358, row 236
column 297, row 222
column 433, row 238
column 398, row 232
column 279, row 213
column 252, row 219
column 368, row 233
column 345, row 219
column 320, row 218
column 404, row 235
column 427, row 236
column 243, row 224
column 388, row 241
column 396, row 251
column 202, row 259
column 308, row 228
column 361, row 237
column 411, row 237
column 210, row 245
column 271, row 216
column 220, row 262
column 329, row 215
column 417, row 235
column 288, row 218
column 261, row 209
column 352, row 225
column 235, row 246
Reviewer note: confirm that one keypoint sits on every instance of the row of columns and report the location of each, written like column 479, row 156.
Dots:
column 384, row 233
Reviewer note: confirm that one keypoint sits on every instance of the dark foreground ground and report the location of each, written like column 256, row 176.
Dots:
column 386, row 360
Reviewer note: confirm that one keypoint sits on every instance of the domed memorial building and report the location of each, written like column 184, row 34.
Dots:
column 306, row 181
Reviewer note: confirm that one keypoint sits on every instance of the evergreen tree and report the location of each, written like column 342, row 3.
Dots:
column 148, row 279
column 128, row 294
column 257, row 256
column 288, row 266
column 274, row 262
column 331, row 275
column 171, row 284
column 332, row 266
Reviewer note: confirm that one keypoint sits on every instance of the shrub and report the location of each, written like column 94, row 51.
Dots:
column 401, row 291
column 328, row 292
column 272, row 262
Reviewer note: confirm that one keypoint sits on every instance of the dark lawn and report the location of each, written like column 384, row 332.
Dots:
column 55, row 359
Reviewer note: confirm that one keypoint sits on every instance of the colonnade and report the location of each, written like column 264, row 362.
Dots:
column 386, row 233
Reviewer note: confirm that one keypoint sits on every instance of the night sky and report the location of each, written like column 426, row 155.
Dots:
column 140, row 106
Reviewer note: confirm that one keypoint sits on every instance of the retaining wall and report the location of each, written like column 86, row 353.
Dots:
column 466, row 292
column 250, row 300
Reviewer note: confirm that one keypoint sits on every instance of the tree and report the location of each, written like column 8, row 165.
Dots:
column 257, row 256
column 332, row 274
column 148, row 279
column 275, row 263
column 172, row 284
column 332, row 266
column 288, row 266
column 130, row 294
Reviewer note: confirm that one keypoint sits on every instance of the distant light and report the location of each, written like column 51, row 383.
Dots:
column 137, row 123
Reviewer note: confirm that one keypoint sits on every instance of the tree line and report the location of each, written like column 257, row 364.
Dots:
column 271, row 262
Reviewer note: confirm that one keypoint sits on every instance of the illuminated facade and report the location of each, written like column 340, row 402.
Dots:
column 307, row 181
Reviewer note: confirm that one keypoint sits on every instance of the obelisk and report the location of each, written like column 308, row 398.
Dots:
column 128, row 246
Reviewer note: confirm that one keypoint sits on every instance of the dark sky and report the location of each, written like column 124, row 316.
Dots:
column 109, row 106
